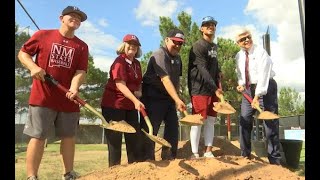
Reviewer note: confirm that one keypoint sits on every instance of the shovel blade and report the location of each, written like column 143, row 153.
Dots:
column 121, row 126
column 224, row 108
column 192, row 120
column 157, row 139
column 190, row 123
column 267, row 115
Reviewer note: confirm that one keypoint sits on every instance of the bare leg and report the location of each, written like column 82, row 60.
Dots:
column 67, row 148
column 34, row 155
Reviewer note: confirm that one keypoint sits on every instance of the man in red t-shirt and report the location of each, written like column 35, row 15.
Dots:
column 63, row 55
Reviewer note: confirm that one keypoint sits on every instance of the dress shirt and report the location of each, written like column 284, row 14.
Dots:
column 260, row 68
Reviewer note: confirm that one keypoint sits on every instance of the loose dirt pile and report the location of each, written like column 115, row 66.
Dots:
column 227, row 165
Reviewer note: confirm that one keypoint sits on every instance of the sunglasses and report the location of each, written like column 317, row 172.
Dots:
column 244, row 38
column 179, row 43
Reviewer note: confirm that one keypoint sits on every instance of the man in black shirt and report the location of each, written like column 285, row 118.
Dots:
column 159, row 94
column 203, row 74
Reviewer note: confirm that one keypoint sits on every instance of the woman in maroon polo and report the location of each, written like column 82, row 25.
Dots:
column 120, row 100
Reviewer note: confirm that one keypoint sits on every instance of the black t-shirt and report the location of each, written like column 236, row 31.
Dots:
column 161, row 64
column 203, row 69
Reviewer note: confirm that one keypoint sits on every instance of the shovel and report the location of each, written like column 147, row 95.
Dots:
column 191, row 120
column 121, row 126
column 150, row 134
column 265, row 115
column 223, row 107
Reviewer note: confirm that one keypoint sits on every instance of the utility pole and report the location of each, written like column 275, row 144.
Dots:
column 302, row 17
column 28, row 14
column 266, row 42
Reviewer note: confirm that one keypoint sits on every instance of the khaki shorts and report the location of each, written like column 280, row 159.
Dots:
column 41, row 120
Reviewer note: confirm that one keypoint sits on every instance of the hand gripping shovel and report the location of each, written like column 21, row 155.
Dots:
column 265, row 115
column 150, row 134
column 223, row 107
column 121, row 126
column 191, row 120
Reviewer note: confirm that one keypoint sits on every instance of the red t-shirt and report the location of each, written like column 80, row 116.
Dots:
column 121, row 69
column 60, row 57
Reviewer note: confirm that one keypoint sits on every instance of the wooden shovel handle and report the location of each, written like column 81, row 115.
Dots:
column 147, row 120
column 220, row 87
column 250, row 100
column 50, row 79
column 185, row 112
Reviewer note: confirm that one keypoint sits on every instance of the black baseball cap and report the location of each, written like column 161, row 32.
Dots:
column 176, row 35
column 74, row 9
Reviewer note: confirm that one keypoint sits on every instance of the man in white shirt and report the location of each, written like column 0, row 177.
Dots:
column 255, row 78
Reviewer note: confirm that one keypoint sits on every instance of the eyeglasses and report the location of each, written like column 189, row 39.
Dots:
column 244, row 38
column 179, row 43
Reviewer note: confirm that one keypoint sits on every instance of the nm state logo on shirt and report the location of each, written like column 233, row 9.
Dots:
column 61, row 55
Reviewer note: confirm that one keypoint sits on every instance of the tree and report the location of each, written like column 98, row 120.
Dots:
column 22, row 77
column 144, row 61
column 290, row 103
column 227, row 50
column 93, row 89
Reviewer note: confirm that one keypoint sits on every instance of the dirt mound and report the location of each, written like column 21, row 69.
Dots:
column 227, row 164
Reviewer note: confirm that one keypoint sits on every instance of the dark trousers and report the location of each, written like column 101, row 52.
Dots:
column 268, row 102
column 160, row 110
column 114, row 138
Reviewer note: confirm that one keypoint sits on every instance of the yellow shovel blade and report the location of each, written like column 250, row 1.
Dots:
column 121, row 126
column 224, row 108
column 192, row 120
column 267, row 115
column 157, row 139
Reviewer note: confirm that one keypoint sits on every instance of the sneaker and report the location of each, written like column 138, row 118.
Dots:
column 70, row 175
column 208, row 154
column 195, row 156
column 32, row 178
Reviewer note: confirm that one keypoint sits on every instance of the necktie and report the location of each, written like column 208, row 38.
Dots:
column 247, row 70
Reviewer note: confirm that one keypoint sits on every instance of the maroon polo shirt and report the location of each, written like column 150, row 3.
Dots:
column 122, row 69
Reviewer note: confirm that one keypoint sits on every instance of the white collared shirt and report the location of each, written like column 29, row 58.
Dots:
column 260, row 68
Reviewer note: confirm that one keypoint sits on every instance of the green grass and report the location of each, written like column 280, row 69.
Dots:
column 88, row 158
column 301, row 170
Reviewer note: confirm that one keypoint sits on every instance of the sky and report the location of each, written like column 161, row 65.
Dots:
column 109, row 21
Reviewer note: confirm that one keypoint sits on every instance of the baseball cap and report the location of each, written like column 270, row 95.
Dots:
column 74, row 9
column 131, row 37
column 176, row 35
column 208, row 19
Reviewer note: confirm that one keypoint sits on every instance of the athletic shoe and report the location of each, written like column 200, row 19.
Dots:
column 208, row 154
column 32, row 178
column 195, row 156
column 72, row 175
